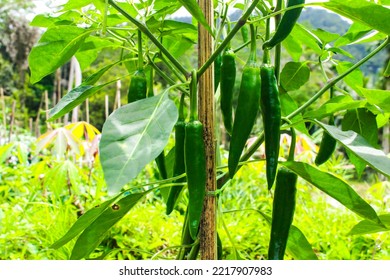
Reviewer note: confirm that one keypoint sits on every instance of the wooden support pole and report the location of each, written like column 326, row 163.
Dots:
column 208, row 228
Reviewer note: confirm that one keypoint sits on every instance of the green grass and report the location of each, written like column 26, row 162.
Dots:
column 34, row 214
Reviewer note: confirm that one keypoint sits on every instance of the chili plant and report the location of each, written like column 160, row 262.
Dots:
column 137, row 133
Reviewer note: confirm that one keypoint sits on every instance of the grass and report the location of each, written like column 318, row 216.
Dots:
column 34, row 214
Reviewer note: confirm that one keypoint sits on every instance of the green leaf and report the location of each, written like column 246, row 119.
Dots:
column 193, row 8
column 354, row 79
column 67, row 18
column 56, row 47
column 378, row 97
column 298, row 246
column 293, row 47
column 334, row 187
column 288, row 105
column 5, row 151
column 83, row 222
column 362, row 122
column 95, row 232
column 336, row 104
column 356, row 32
column 340, row 51
column 134, row 135
column 367, row 226
column 76, row 4
column 361, row 11
column 73, row 98
column 294, row 75
column 325, row 36
column 360, row 147
column 305, row 37
column 89, row 50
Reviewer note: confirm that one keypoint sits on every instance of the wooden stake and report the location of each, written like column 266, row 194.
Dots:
column 208, row 228
column 3, row 108
column 12, row 120
column 106, row 106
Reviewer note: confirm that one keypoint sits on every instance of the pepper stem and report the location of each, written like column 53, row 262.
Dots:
column 266, row 54
column 140, row 53
column 193, row 96
column 253, row 51
column 181, row 107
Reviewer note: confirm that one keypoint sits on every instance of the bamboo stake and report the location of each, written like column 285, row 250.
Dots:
column 208, row 228
column 3, row 107
column 12, row 121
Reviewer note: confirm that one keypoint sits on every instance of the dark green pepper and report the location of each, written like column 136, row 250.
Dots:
column 195, row 161
column 138, row 87
column 228, row 79
column 271, row 112
column 179, row 165
column 286, row 25
column 217, row 71
column 282, row 213
column 247, row 107
column 327, row 146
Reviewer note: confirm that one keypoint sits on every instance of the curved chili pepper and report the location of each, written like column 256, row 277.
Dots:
column 286, row 24
column 227, row 80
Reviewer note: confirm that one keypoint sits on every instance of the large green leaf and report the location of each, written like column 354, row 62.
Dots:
column 56, row 47
column 336, row 104
column 83, row 222
column 294, row 75
column 366, row 226
column 362, row 11
column 360, row 147
column 134, row 135
column 95, row 232
column 288, row 105
column 193, row 8
column 334, row 187
column 73, row 98
column 355, row 32
column 354, row 79
column 298, row 246
column 378, row 97
column 363, row 122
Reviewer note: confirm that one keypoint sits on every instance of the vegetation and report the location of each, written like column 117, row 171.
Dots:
column 93, row 167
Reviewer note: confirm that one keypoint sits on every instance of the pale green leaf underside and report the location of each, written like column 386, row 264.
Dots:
column 134, row 135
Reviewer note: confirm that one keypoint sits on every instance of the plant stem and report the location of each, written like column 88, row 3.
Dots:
column 278, row 47
column 149, row 34
column 337, row 79
column 193, row 96
column 228, row 38
column 140, row 53
column 253, row 52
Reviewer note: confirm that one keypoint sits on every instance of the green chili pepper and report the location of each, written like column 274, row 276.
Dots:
column 138, row 87
column 245, row 33
column 228, row 79
column 247, row 107
column 327, row 146
column 271, row 112
column 286, row 24
column 195, row 162
column 179, row 165
column 217, row 71
column 282, row 213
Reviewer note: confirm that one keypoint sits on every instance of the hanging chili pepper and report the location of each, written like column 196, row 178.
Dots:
column 138, row 87
column 179, row 165
column 271, row 113
column 282, row 213
column 195, row 161
column 247, row 107
column 328, row 143
column 228, row 79
column 283, row 206
column 286, row 24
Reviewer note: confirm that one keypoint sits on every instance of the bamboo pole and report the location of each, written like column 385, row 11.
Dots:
column 208, row 228
column 3, row 107
column 107, row 109
column 12, row 121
